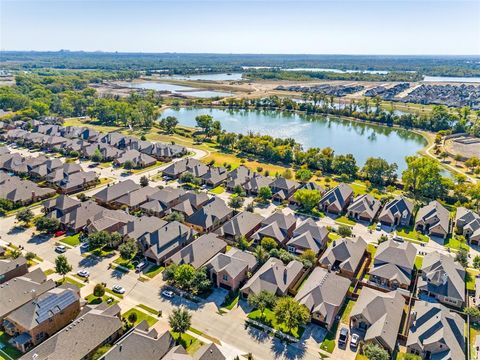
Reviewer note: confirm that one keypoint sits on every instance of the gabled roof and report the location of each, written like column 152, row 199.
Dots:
column 345, row 253
column 399, row 207
column 433, row 324
column 337, row 196
column 113, row 192
column 365, row 204
column 140, row 226
column 284, row 184
column 209, row 352
column 257, row 182
column 215, row 174
column 401, row 254
column 7, row 265
column 78, row 217
column 62, row 203
column 323, row 292
column 276, row 226
column 382, row 311
column 233, row 262
column 137, row 197
column 435, row 215
column 318, row 233
column 210, row 213
column 241, row 224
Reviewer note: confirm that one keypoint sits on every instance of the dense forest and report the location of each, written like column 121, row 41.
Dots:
column 178, row 63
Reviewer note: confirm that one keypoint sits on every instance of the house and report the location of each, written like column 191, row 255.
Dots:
column 433, row 220
column 78, row 181
column 166, row 152
column 397, row 212
column 42, row 170
column 214, row 176
column 364, row 208
column 393, row 265
column 238, row 177
column 134, row 199
column 209, row 352
column 137, row 159
column 102, row 325
column 162, row 200
column 60, row 205
column 11, row 268
column 42, row 317
column 115, row 139
column 191, row 202
column 283, row 189
column 308, row 236
column 435, row 332
column 323, row 293
column 23, row 192
column 274, row 277
column 307, row 186
column 344, row 256
column 336, row 200
column 113, row 192
column 176, row 169
column 159, row 245
column 199, row 251
column 231, row 269
column 278, row 226
column 77, row 218
column 210, row 216
column 255, row 183
column 468, row 224
column 20, row 290
column 141, row 344
column 141, row 226
column 62, row 172
column 241, row 225
column 443, row 278
column 109, row 221
column 379, row 316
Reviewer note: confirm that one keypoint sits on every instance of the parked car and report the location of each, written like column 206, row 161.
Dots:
column 343, row 337
column 142, row 265
column 83, row 273
column 60, row 233
column 94, row 165
column 354, row 341
column 379, row 227
column 118, row 289
column 60, row 248
column 85, row 246
column 168, row 294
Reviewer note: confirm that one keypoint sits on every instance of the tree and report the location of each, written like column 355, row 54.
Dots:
column 132, row 317
column 128, row 249
column 291, row 313
column 287, row 174
column 303, row 175
column 261, row 301
column 377, row 171
column 375, row 352
column 265, row 193
column 175, row 216
column 268, row 243
column 180, row 320
column 472, row 311
column 476, row 262
column 128, row 165
column 462, row 257
column 144, row 181
column 344, row 231
column 307, row 198
column 99, row 290
column 15, row 254
column 47, row 225
column 184, row 275
column 97, row 156
column 423, row 177
column 62, row 267
column 25, row 216
column 204, row 122
column 168, row 124
column 345, row 165
column 261, row 254
column 236, row 202
column 243, row 243
column 310, row 256
column 98, row 239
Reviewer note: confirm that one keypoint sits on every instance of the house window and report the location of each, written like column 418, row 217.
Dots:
column 225, row 277
column 291, row 249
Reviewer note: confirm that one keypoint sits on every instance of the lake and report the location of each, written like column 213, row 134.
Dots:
column 208, row 77
column 451, row 79
column 344, row 136
column 178, row 89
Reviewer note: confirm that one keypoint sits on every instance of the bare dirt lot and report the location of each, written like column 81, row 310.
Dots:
column 465, row 146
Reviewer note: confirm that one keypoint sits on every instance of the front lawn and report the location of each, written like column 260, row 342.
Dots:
column 411, row 233
column 125, row 263
column 153, row 271
column 453, row 243
column 332, row 237
column 218, row 190
column 474, row 331
column 231, row 300
column 73, row 240
column 270, row 320
column 190, row 343
column 140, row 317
column 70, row 281
column 418, row 262
column 345, row 220
column 107, row 290
column 7, row 348
column 49, row 272
column 149, row 309
column 346, row 312
column 371, row 249
column 470, row 276
column 328, row 345
column 93, row 300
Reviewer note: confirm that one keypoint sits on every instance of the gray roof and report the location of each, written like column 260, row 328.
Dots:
column 16, row 189
column 209, row 352
column 210, row 214
column 434, row 325
column 435, row 215
column 274, row 277
column 215, row 175
column 198, row 252
column 20, row 290
column 365, row 204
column 177, row 353
column 323, row 292
column 309, row 235
column 239, row 176
column 166, row 195
column 44, row 307
column 233, row 262
column 382, row 311
column 78, row 217
column 108, row 218
column 276, row 226
column 113, row 192
column 257, row 182
column 137, row 197
column 241, row 224
column 7, row 265
column 62, row 203
column 399, row 207
column 394, row 261
column 141, row 344
column 72, row 343
column 442, row 275
column 337, row 196
column 344, row 253
column 140, row 226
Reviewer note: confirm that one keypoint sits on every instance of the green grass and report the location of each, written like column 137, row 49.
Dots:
column 125, row 263
column 70, row 281
column 107, row 290
column 102, row 350
column 153, row 271
column 140, row 317
column 270, row 320
column 49, row 272
column 218, row 190
column 148, row 309
column 190, row 343
column 231, row 300
column 474, row 331
column 93, row 300
column 346, row 312
column 328, row 345
column 345, row 220
column 7, row 348
column 418, row 262
column 73, row 240
column 411, row 233
column 371, row 249
column 453, row 243
column 332, row 237
column 470, row 276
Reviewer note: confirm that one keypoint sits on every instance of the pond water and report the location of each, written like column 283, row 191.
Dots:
column 209, row 77
column 344, row 136
column 451, row 79
column 178, row 89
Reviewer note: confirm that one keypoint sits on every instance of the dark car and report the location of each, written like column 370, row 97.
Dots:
column 343, row 337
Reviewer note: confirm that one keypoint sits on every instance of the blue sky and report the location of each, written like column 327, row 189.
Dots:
column 313, row 27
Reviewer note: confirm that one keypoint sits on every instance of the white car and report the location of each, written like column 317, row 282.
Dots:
column 83, row 273
column 60, row 248
column 168, row 294
column 379, row 227
column 355, row 340
column 141, row 266
column 85, row 246
column 118, row 289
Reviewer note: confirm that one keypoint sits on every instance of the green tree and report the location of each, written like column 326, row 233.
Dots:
column 47, row 225
column 30, row 256
column 98, row 239
column 15, row 254
column 262, row 301
column 375, row 352
column 128, row 249
column 291, row 313
column 344, row 231
column 97, row 156
column 99, row 290
column 180, row 320
column 168, row 124
column 307, row 198
column 476, row 262
column 303, row 175
column 265, row 193
column 462, row 257
column 144, row 181
column 175, row 216
column 184, row 275
column 243, row 243
column 423, row 177
column 132, row 317
column 62, row 267
column 261, row 254
column 345, row 165
column 309, row 256
column 378, row 171
column 128, row 165
column 236, row 202
column 204, row 122
column 25, row 216
column 268, row 243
